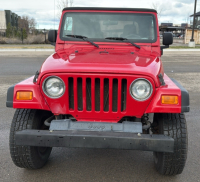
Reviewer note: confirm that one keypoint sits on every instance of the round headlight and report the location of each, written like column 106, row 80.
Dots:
column 141, row 89
column 53, row 87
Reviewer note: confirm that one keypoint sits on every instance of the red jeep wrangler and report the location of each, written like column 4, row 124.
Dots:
column 98, row 89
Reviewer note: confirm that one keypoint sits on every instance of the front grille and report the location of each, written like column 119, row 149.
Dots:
column 97, row 94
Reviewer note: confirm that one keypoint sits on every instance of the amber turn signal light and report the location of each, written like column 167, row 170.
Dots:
column 24, row 95
column 169, row 99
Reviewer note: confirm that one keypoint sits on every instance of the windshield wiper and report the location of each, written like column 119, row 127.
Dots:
column 122, row 39
column 83, row 38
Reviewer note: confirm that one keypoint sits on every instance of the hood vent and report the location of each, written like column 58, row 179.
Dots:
column 106, row 48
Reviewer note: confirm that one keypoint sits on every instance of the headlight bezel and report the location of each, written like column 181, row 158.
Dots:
column 151, row 89
column 43, row 87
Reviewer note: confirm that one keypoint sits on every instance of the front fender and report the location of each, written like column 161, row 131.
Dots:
column 38, row 101
column 172, row 87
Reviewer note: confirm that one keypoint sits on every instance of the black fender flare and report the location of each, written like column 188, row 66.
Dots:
column 185, row 99
column 10, row 96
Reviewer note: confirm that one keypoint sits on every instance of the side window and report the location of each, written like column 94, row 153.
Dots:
column 68, row 26
column 152, row 30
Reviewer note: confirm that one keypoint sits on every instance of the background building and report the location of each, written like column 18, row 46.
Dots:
column 178, row 30
column 3, row 21
column 11, row 18
column 197, row 20
column 7, row 17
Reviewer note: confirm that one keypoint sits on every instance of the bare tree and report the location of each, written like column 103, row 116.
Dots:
column 61, row 4
column 158, row 7
column 32, row 24
column 27, row 23
column 23, row 23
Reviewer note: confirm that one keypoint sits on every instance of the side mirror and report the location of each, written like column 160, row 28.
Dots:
column 52, row 36
column 167, row 38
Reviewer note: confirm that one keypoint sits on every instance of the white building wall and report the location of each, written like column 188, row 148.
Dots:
column 2, row 21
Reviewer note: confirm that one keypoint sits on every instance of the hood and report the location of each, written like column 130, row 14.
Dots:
column 121, row 61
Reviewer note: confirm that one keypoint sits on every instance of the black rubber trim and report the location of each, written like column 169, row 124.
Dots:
column 111, row 9
column 163, row 47
column 185, row 100
column 95, row 139
column 10, row 95
column 36, row 77
column 162, row 82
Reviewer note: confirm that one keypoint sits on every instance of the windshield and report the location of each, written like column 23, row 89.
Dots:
column 138, row 27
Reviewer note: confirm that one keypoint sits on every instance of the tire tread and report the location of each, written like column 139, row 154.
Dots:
column 173, row 125
column 23, row 156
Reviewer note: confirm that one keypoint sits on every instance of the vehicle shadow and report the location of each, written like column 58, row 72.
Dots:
column 99, row 165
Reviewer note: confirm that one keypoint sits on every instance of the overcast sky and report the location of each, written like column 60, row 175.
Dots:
column 174, row 11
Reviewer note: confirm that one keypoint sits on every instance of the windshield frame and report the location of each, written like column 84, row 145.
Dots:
column 107, row 40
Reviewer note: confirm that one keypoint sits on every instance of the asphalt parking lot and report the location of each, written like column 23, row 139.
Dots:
column 99, row 165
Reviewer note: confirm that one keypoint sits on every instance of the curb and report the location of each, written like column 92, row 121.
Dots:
column 27, row 50
column 181, row 50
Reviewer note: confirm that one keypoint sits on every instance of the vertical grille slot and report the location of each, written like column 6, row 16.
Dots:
column 71, row 92
column 115, row 94
column 123, row 94
column 88, row 95
column 97, row 94
column 80, row 94
column 106, row 94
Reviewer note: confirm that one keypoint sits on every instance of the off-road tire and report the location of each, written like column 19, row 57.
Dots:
column 173, row 125
column 27, row 156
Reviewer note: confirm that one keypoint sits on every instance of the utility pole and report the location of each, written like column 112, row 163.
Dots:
column 194, row 20
column 192, row 42
column 45, row 35
column 22, row 34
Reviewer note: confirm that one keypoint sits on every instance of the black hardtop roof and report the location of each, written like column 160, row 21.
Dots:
column 110, row 9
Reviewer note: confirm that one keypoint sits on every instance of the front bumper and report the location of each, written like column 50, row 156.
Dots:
column 95, row 139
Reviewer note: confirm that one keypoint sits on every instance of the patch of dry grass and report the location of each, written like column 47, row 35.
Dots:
column 31, row 39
